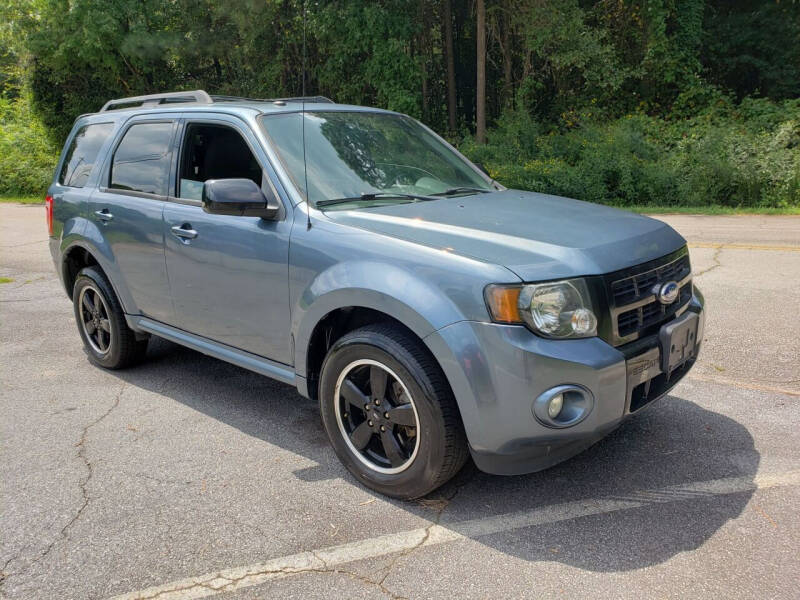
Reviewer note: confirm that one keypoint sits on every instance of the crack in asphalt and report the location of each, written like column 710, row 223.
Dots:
column 31, row 299
column 717, row 263
column 355, row 576
column 83, row 485
column 181, row 482
column 227, row 583
column 4, row 575
column 9, row 246
column 740, row 383
column 445, row 502
column 218, row 582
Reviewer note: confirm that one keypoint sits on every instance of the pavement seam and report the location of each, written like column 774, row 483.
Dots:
column 381, row 584
column 735, row 246
column 314, row 561
column 81, row 445
column 716, row 264
column 742, row 384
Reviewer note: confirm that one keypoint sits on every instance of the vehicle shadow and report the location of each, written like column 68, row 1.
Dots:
column 674, row 443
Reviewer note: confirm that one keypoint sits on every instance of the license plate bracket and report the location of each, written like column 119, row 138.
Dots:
column 678, row 340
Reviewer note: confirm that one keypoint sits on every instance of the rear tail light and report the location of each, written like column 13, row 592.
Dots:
column 48, row 206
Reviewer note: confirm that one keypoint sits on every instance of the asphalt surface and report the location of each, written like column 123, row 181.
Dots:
column 185, row 475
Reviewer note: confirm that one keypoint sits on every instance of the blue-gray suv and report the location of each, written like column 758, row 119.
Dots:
column 353, row 253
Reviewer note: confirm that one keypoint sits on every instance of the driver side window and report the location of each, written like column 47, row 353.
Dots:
column 214, row 152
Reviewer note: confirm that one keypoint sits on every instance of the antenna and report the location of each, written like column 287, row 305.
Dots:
column 303, row 118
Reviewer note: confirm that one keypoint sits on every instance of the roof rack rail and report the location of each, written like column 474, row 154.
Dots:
column 201, row 97
column 312, row 99
column 150, row 100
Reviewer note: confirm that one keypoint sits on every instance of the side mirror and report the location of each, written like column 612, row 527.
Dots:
column 237, row 197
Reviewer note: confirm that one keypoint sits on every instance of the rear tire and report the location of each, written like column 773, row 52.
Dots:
column 389, row 412
column 108, row 340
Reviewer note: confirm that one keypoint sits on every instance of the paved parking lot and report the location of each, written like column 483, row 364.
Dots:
column 186, row 476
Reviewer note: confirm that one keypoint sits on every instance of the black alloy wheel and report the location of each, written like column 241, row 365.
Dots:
column 108, row 340
column 377, row 417
column 389, row 412
column 94, row 319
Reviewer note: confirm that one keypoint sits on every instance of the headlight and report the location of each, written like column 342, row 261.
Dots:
column 556, row 309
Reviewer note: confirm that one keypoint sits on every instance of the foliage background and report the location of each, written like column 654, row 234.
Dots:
column 645, row 102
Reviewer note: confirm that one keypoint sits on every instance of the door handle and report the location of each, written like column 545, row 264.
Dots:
column 184, row 231
column 104, row 215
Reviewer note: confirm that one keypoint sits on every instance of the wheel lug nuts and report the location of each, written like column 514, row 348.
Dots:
column 366, row 407
column 377, row 402
column 383, row 428
column 386, row 415
column 345, row 415
column 370, row 423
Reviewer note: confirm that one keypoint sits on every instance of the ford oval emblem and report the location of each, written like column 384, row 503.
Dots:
column 667, row 292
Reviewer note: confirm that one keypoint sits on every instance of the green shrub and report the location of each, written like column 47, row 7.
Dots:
column 745, row 155
column 27, row 156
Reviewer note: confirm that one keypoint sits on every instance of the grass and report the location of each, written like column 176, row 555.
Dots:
column 22, row 199
column 6, row 280
column 713, row 209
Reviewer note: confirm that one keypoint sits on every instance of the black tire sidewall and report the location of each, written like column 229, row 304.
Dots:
column 91, row 277
column 422, row 475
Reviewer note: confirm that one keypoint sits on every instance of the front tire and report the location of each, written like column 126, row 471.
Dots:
column 108, row 340
column 389, row 412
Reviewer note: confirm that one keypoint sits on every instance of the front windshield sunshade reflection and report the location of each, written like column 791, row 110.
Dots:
column 354, row 155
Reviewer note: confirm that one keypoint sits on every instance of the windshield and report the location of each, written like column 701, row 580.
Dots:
column 355, row 154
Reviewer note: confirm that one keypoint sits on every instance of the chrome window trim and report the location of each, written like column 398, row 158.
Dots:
column 133, row 193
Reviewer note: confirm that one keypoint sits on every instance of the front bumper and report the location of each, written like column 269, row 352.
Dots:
column 496, row 372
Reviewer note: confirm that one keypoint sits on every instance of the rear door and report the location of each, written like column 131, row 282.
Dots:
column 128, row 209
column 228, row 274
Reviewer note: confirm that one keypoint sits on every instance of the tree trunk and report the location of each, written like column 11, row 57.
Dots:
column 423, row 57
column 508, row 89
column 480, row 103
column 447, row 18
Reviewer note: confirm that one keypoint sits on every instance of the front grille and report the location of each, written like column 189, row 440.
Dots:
column 635, row 320
column 635, row 310
column 635, row 287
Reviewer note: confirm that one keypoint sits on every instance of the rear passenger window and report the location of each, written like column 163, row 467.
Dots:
column 82, row 153
column 142, row 159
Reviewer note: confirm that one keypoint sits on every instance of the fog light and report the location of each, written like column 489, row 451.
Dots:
column 555, row 405
column 563, row 406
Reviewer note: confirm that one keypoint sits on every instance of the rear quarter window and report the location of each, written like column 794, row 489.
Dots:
column 142, row 159
column 82, row 154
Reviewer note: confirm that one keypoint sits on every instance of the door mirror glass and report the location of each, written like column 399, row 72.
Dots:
column 237, row 197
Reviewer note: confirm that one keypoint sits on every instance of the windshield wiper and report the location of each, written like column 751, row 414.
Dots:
column 461, row 190
column 373, row 196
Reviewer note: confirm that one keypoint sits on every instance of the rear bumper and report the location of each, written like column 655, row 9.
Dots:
column 497, row 371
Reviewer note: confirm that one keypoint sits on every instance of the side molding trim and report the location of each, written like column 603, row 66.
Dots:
column 240, row 358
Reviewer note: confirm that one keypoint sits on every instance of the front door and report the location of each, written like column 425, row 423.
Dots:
column 228, row 275
column 128, row 209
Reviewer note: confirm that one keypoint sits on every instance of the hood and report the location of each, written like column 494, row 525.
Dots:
column 537, row 236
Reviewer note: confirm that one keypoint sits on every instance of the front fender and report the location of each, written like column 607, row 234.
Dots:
column 368, row 284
